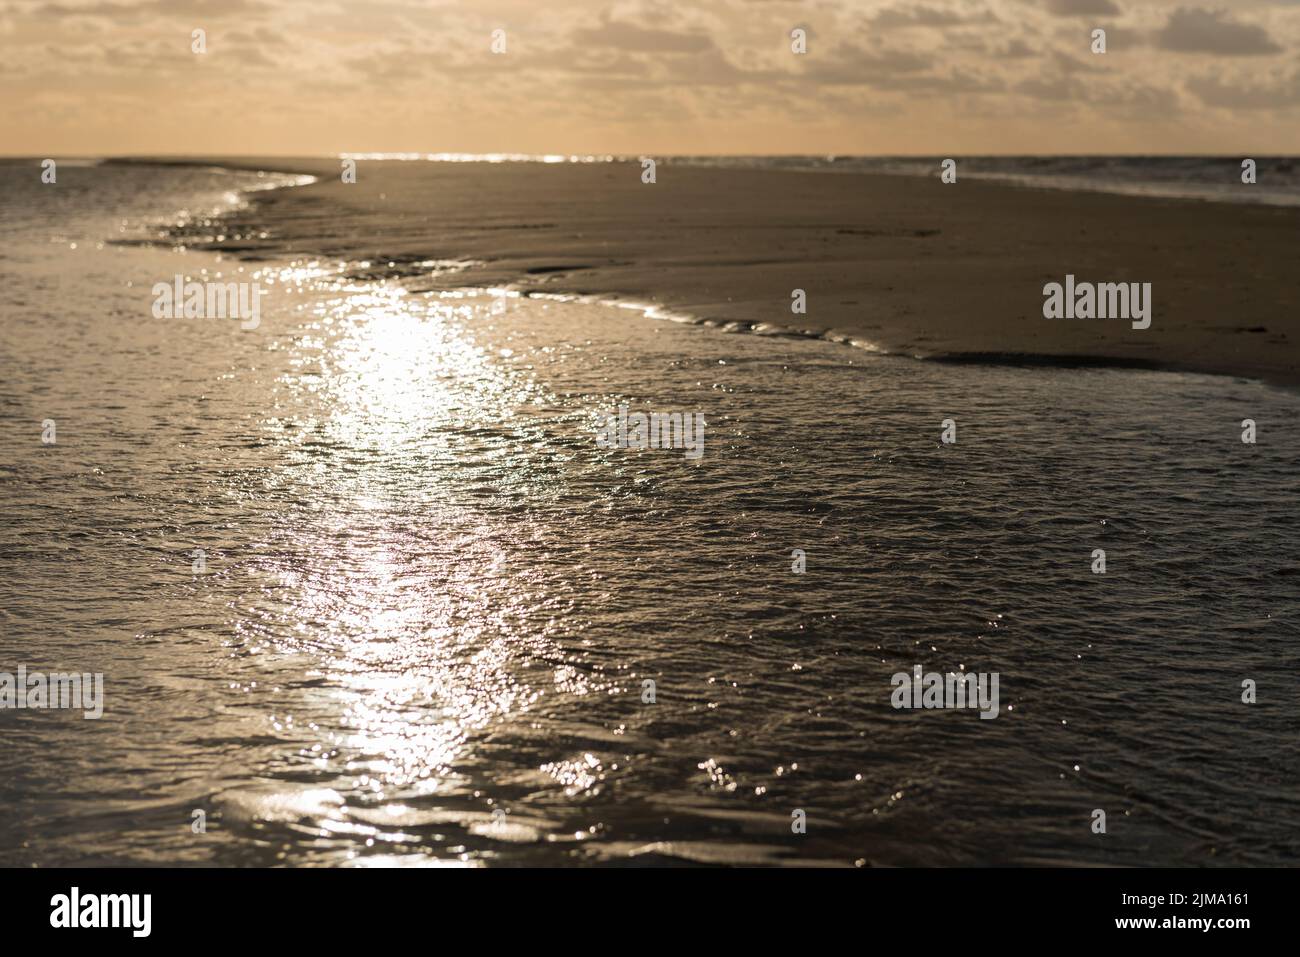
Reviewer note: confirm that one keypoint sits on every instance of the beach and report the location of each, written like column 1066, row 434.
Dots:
column 381, row 578
column 903, row 264
column 608, row 438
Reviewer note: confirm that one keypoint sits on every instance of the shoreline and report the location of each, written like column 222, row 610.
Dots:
column 916, row 268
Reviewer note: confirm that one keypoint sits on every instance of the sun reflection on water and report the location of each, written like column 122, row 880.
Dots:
column 409, row 607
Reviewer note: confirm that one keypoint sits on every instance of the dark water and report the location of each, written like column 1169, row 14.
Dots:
column 430, row 601
column 1207, row 178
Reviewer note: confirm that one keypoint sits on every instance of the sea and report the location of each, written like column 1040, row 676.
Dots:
column 364, row 589
column 1265, row 179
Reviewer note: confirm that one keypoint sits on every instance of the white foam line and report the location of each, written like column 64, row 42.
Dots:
column 655, row 311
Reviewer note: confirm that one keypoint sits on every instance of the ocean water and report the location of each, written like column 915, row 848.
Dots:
column 430, row 602
column 1205, row 178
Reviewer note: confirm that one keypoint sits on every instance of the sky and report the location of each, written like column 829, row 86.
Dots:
column 646, row 77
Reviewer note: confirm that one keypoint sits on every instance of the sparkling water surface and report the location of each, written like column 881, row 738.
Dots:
column 431, row 601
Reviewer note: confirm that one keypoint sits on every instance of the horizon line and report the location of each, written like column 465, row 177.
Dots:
column 509, row 156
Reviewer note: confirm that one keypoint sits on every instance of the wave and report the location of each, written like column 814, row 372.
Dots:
column 1207, row 178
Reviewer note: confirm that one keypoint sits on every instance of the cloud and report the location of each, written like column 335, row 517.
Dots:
column 1077, row 79
column 1283, row 94
column 1192, row 30
column 711, row 68
column 1082, row 8
column 628, row 36
column 599, row 63
column 980, row 66
column 923, row 15
column 109, row 9
column 850, row 64
column 953, row 83
column 1015, row 50
column 1060, row 87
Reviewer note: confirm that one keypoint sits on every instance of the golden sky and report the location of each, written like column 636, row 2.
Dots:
column 297, row 77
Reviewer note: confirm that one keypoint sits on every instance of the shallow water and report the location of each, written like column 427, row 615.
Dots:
column 430, row 600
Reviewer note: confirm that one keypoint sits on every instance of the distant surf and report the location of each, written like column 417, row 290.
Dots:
column 1208, row 178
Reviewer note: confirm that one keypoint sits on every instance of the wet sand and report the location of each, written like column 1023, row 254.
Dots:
column 910, row 265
